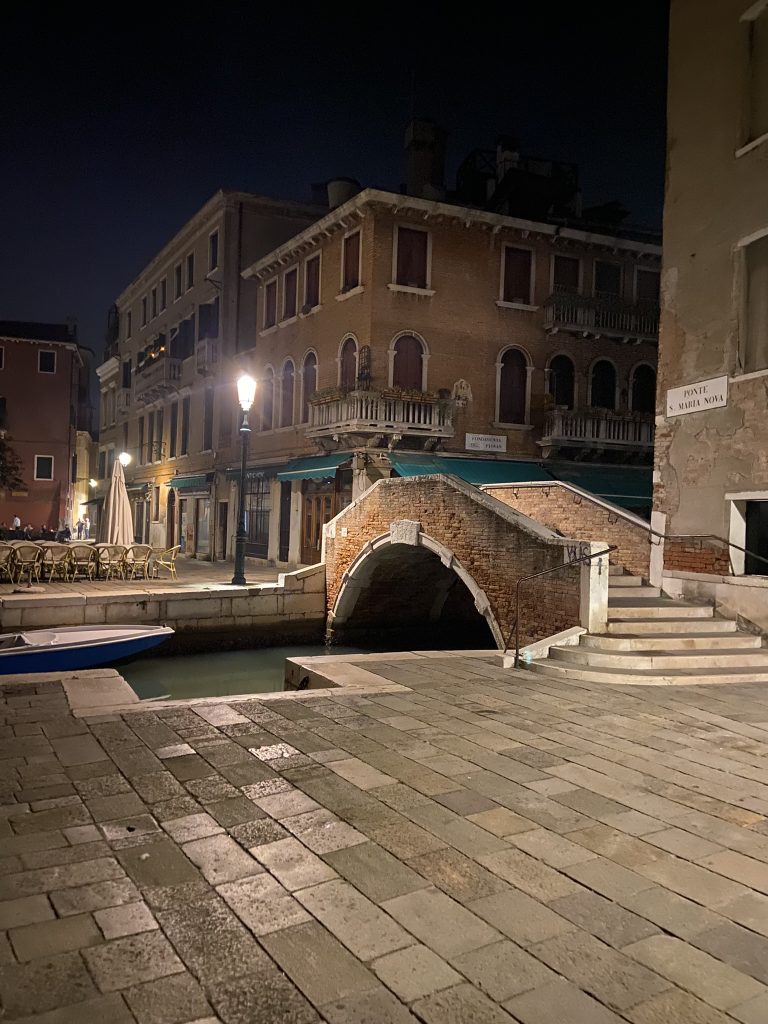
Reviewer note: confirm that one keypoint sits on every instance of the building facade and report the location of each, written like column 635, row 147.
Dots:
column 711, row 467
column 45, row 417
column 405, row 335
column 165, row 383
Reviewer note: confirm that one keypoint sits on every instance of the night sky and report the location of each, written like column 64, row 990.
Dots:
column 113, row 135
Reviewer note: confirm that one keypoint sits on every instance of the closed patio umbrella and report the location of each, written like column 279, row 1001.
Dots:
column 116, row 519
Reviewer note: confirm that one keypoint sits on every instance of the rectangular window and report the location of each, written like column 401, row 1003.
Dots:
column 185, row 426
column 225, row 423
column 159, row 435
column 312, row 282
column 102, row 465
column 607, row 279
column 190, row 270
column 518, row 266
column 177, row 289
column 758, row 75
column 208, row 420
column 150, row 437
column 290, row 282
column 213, row 251
column 647, row 286
column 351, row 262
column 173, row 429
column 154, row 302
column 110, row 461
column 43, row 467
column 155, row 504
column 144, row 311
column 270, row 304
column 125, row 437
column 163, row 294
column 142, row 450
column 412, row 258
column 126, row 378
column 128, row 324
column 754, row 355
column 46, row 362
column 565, row 273
column 258, row 505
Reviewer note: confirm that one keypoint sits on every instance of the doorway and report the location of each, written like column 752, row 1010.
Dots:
column 285, row 521
column 203, row 524
column 170, row 519
column 756, row 538
column 222, row 529
column 322, row 500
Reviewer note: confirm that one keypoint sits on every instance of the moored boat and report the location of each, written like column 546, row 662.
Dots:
column 73, row 647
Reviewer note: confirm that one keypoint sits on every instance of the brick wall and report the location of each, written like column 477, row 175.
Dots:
column 576, row 516
column 687, row 556
column 493, row 545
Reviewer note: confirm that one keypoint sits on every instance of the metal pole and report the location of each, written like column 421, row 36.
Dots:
column 238, row 578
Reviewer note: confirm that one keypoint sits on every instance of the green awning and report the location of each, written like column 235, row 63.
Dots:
column 315, row 467
column 191, row 483
column 252, row 472
column 628, row 486
column 474, row 471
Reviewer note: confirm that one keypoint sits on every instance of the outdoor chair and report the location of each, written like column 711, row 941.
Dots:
column 137, row 561
column 112, row 560
column 84, row 560
column 166, row 560
column 6, row 563
column 27, row 560
column 56, row 561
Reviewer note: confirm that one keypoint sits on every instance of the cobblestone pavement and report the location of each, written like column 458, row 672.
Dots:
column 481, row 847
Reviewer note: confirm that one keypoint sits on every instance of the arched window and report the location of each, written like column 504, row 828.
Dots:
column 513, row 383
column 286, row 394
column 268, row 400
column 309, row 384
column 349, row 364
column 644, row 389
column 603, row 388
column 561, row 380
column 407, row 365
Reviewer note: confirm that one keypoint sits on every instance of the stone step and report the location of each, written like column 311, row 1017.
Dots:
column 657, row 610
column 625, row 581
column 684, row 661
column 586, row 674
column 664, row 627
column 674, row 641
column 616, row 570
column 620, row 594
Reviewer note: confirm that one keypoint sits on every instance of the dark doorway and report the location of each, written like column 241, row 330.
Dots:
column 285, row 521
column 222, row 529
column 756, row 541
column 170, row 519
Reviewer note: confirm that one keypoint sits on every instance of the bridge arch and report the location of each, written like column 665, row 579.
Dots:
column 445, row 596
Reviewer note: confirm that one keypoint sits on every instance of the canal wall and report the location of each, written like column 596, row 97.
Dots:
column 209, row 617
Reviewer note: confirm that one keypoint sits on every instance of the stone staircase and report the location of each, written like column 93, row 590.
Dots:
column 657, row 640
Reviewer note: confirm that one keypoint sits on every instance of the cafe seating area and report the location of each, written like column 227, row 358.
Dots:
column 23, row 561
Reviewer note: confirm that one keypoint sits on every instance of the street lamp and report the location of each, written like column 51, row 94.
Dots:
column 246, row 392
column 124, row 459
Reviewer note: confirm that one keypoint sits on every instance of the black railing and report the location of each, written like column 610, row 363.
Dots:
column 535, row 575
column 707, row 536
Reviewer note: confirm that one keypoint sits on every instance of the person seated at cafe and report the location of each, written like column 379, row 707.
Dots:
column 29, row 531
column 64, row 534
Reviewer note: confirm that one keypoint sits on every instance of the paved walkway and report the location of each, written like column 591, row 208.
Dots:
column 482, row 847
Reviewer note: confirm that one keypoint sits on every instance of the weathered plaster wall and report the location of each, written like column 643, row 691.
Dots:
column 713, row 199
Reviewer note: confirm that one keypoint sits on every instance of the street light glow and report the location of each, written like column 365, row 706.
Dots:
column 246, row 391
column 124, row 458
column 93, row 483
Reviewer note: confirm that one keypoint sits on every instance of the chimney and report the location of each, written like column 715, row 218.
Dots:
column 340, row 190
column 507, row 155
column 424, row 159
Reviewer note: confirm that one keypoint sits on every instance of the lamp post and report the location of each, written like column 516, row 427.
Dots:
column 246, row 391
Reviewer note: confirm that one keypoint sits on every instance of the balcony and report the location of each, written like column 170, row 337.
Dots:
column 596, row 435
column 124, row 400
column 207, row 355
column 158, row 377
column 601, row 317
column 378, row 419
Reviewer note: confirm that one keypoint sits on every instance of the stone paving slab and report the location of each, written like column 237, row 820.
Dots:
column 479, row 846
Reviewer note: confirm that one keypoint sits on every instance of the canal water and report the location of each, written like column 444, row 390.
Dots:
column 220, row 674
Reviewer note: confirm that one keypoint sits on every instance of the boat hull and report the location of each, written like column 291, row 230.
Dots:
column 68, row 658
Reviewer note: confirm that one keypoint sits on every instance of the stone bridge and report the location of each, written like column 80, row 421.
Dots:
column 431, row 563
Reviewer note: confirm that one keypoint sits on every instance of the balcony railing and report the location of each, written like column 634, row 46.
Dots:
column 601, row 316
column 369, row 412
column 157, row 378
column 207, row 354
column 123, row 402
column 593, row 430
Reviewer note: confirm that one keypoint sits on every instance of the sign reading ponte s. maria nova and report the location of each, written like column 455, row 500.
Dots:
column 698, row 397
column 485, row 442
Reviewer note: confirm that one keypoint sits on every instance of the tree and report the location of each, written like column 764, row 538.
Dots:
column 10, row 468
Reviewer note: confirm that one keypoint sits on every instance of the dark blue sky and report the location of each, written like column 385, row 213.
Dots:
column 115, row 134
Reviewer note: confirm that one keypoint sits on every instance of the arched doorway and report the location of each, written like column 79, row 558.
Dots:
column 643, row 395
column 348, row 364
column 561, row 382
column 513, row 386
column 407, row 363
column 603, row 385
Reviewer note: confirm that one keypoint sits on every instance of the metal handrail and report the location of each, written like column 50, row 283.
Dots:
column 707, row 536
column 535, row 575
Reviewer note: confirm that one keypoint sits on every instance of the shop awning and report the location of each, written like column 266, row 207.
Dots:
column 315, row 467
column 93, row 501
column 136, row 490
column 267, row 472
column 191, row 483
column 474, row 471
column 628, row 486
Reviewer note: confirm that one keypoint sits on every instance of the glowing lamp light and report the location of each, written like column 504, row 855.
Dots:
column 124, row 459
column 93, row 483
column 246, row 391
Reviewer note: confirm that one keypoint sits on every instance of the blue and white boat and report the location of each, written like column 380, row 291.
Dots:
column 73, row 647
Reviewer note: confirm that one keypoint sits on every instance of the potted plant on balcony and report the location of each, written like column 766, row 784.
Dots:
column 323, row 396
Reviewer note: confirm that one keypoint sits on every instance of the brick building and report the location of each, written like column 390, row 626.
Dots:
column 405, row 335
column 165, row 382
column 45, row 415
column 711, row 466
